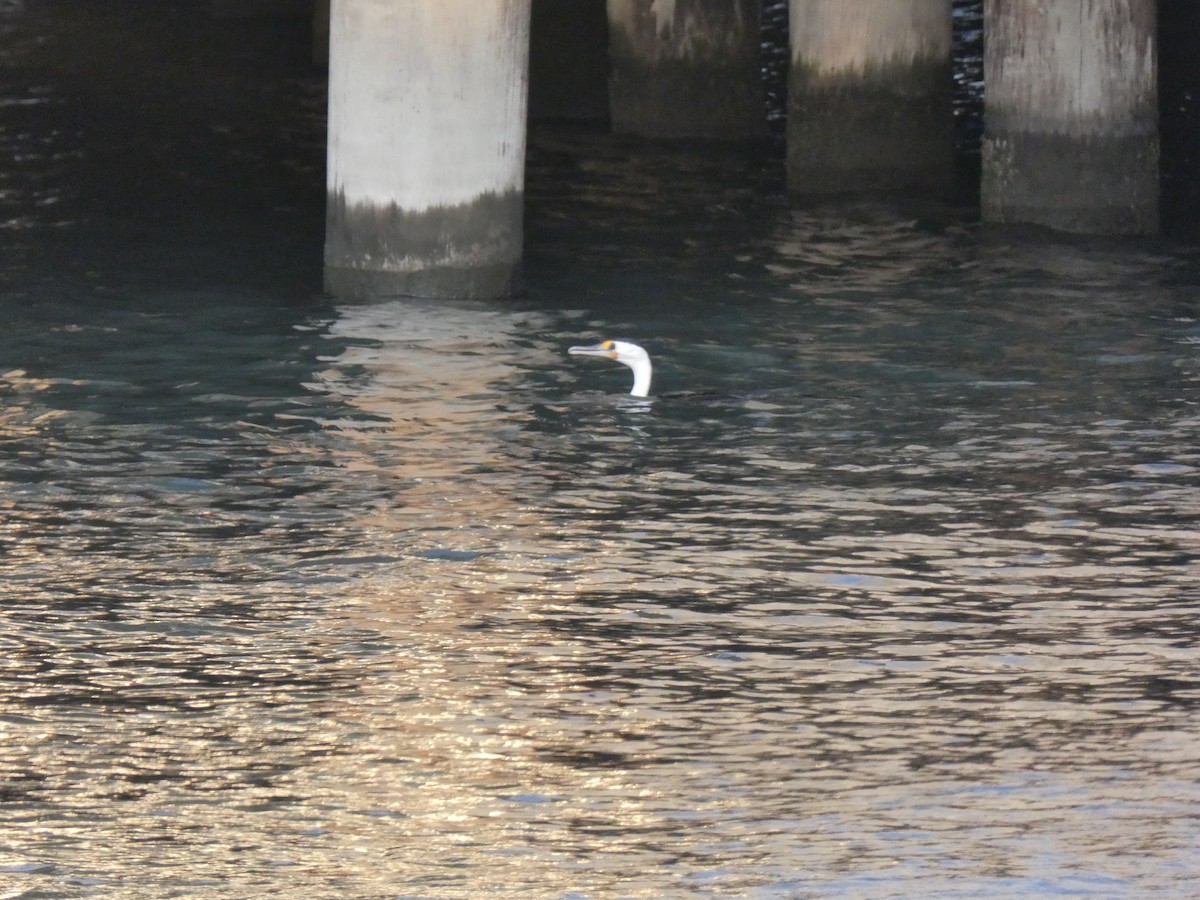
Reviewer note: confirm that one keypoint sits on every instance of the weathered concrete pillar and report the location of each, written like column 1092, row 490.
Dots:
column 1071, row 115
column 869, row 95
column 686, row 68
column 426, row 157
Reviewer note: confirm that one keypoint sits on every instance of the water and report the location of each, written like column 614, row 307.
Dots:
column 890, row 590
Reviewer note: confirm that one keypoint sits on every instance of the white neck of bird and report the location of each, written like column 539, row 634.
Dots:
column 642, row 371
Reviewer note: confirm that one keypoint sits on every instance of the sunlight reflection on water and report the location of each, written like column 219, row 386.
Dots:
column 919, row 614
column 700, row 647
column 889, row 590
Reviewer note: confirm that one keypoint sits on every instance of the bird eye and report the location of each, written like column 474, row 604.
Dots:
column 607, row 345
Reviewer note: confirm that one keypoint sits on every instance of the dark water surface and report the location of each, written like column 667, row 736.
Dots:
column 890, row 591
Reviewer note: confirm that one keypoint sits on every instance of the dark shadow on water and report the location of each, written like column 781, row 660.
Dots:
column 154, row 146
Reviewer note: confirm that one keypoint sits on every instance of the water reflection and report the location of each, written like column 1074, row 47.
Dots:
column 918, row 604
column 890, row 590
column 397, row 598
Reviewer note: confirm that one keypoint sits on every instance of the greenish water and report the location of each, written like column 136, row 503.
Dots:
column 890, row 590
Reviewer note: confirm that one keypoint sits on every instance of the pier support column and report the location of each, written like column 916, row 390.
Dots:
column 686, row 68
column 1071, row 116
column 426, row 156
column 869, row 95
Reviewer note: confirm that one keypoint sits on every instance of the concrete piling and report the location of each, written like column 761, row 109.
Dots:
column 1071, row 115
column 426, row 147
column 869, row 105
column 686, row 68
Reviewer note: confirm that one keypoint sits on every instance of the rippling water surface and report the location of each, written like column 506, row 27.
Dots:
column 890, row 590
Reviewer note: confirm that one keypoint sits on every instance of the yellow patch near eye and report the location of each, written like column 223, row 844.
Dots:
column 607, row 345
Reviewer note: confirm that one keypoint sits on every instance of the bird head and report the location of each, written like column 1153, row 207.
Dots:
column 625, row 353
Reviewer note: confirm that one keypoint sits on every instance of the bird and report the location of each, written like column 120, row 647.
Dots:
column 627, row 354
